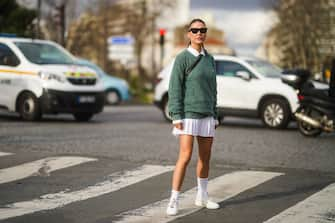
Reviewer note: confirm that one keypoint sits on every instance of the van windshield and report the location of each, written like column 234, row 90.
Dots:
column 44, row 53
column 265, row 68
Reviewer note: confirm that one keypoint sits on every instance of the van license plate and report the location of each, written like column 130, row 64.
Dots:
column 86, row 99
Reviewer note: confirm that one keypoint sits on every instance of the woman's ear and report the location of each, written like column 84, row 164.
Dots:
column 189, row 35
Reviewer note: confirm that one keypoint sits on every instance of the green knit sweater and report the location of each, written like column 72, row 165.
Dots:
column 192, row 95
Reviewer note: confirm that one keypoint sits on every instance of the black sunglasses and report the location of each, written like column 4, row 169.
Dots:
column 196, row 30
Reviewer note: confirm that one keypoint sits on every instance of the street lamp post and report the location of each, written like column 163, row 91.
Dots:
column 38, row 18
column 332, row 80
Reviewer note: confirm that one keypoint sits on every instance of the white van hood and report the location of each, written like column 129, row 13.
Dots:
column 70, row 71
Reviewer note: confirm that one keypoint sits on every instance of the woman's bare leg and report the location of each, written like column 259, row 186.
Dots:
column 185, row 154
column 205, row 147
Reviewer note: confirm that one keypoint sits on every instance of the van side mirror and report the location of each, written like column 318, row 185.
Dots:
column 244, row 75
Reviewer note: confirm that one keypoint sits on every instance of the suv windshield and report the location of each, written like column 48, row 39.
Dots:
column 265, row 68
column 44, row 53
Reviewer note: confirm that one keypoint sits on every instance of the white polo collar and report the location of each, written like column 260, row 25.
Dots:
column 195, row 52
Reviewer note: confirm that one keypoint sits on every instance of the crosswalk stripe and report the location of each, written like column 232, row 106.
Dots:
column 5, row 154
column 117, row 181
column 320, row 207
column 42, row 167
column 220, row 188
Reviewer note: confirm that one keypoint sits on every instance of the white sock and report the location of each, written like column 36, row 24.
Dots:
column 202, row 188
column 174, row 195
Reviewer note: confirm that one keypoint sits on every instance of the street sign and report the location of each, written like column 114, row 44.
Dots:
column 121, row 40
column 121, row 48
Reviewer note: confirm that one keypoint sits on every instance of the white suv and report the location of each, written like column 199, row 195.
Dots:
column 245, row 87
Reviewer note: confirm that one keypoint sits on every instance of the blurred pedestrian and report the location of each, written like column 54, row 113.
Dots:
column 192, row 106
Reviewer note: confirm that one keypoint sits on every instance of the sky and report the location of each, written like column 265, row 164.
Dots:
column 245, row 22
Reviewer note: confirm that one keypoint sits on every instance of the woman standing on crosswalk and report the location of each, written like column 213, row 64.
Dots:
column 192, row 106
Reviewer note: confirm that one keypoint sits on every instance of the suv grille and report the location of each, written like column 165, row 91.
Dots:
column 82, row 81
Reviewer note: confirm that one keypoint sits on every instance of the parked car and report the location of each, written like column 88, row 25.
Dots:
column 116, row 89
column 40, row 77
column 246, row 87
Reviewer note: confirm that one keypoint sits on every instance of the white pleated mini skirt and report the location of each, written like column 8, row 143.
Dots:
column 204, row 127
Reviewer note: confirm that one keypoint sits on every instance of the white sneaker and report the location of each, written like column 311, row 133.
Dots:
column 206, row 202
column 172, row 208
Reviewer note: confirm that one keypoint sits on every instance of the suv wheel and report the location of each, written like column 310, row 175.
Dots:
column 165, row 109
column 112, row 97
column 275, row 113
column 28, row 107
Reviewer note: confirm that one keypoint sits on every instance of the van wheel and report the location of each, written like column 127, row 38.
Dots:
column 275, row 113
column 112, row 97
column 165, row 109
column 29, row 107
column 83, row 116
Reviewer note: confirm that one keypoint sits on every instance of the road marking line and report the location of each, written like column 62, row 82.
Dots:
column 5, row 154
column 220, row 188
column 320, row 207
column 42, row 167
column 117, row 181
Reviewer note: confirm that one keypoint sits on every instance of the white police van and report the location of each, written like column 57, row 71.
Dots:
column 40, row 77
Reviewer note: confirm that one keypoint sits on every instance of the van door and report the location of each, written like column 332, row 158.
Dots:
column 233, row 91
column 8, row 63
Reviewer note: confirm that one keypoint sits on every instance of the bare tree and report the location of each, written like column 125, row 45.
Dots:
column 141, row 19
column 56, row 19
column 119, row 18
column 302, row 32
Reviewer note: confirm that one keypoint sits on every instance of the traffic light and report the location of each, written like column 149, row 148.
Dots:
column 162, row 36
column 161, row 43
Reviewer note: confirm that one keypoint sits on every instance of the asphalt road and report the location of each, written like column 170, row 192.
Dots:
column 126, row 137
column 139, row 133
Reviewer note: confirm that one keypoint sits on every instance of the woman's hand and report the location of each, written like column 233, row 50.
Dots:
column 217, row 123
column 179, row 125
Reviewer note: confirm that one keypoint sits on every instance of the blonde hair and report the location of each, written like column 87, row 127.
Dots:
column 190, row 24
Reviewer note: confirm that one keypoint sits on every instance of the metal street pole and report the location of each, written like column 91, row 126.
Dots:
column 153, row 42
column 38, row 18
column 332, row 80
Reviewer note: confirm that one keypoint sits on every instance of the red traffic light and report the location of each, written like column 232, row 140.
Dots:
column 162, row 32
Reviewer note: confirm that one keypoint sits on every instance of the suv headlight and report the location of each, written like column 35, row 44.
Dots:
column 51, row 76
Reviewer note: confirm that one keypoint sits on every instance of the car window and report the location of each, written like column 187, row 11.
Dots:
column 229, row 68
column 265, row 68
column 7, row 56
column 44, row 53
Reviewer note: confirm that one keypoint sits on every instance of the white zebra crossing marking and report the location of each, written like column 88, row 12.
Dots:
column 220, row 188
column 40, row 167
column 320, row 207
column 5, row 154
column 56, row 200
